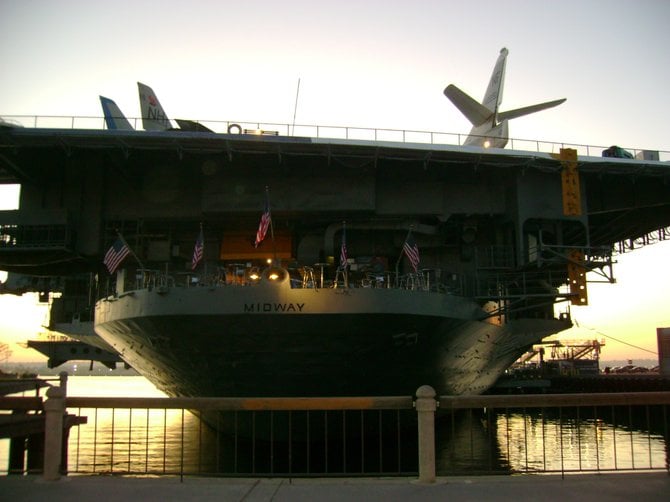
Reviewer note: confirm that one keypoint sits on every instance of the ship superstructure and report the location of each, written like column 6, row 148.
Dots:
column 504, row 236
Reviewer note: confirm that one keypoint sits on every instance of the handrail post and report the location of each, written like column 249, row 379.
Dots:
column 54, row 409
column 426, row 405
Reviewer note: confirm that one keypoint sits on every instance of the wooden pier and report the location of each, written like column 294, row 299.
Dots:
column 25, row 427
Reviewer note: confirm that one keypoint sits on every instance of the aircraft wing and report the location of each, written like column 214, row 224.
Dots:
column 520, row 112
column 475, row 112
column 191, row 126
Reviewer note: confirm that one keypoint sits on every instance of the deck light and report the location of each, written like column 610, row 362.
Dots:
column 275, row 274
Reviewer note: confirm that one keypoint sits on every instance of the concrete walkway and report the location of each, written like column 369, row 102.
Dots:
column 602, row 487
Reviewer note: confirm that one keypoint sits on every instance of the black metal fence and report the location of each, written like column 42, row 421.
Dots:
column 300, row 437
column 245, row 437
column 245, row 443
column 554, row 434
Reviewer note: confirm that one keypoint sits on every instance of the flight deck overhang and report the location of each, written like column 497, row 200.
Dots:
column 622, row 198
column 14, row 141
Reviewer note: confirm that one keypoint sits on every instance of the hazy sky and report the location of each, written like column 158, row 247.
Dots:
column 362, row 63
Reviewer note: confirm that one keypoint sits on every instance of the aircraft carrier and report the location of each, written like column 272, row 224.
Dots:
column 504, row 237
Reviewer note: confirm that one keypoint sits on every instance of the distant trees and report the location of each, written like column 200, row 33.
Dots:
column 5, row 352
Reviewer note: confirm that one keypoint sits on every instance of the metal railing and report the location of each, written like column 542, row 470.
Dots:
column 326, row 132
column 327, row 437
column 558, row 433
column 660, row 235
column 359, row 436
column 300, row 278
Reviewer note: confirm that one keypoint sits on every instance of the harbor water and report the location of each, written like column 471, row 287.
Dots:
column 504, row 441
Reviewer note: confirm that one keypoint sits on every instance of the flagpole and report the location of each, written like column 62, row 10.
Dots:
column 203, row 248
column 272, row 229
column 295, row 108
column 344, row 265
column 130, row 249
column 402, row 252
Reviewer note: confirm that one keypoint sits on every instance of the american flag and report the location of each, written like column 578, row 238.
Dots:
column 264, row 224
column 343, row 250
column 198, row 250
column 412, row 251
column 116, row 254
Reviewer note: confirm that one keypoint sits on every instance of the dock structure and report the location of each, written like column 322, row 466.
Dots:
column 31, row 432
column 648, row 486
column 582, row 383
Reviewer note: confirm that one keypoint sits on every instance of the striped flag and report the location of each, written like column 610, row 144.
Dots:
column 116, row 254
column 343, row 250
column 264, row 223
column 198, row 250
column 412, row 251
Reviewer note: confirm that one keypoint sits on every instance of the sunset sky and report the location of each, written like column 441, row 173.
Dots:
column 365, row 64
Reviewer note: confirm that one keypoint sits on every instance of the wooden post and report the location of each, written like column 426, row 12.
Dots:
column 425, row 408
column 54, row 409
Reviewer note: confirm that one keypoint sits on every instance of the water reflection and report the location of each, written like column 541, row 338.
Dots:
column 464, row 441
column 139, row 441
column 551, row 441
column 241, row 443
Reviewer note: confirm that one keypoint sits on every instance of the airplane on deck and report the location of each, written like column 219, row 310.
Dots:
column 489, row 125
column 154, row 117
column 114, row 117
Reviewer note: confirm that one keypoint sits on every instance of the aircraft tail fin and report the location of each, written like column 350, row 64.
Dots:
column 490, row 126
column 486, row 111
column 114, row 118
column 154, row 117
column 494, row 91
column 520, row 112
column 474, row 111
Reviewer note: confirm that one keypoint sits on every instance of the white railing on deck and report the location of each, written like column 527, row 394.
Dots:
column 325, row 132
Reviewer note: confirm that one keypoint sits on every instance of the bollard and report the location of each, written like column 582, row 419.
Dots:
column 426, row 405
column 54, row 409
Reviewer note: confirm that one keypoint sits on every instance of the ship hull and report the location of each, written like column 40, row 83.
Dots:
column 272, row 340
